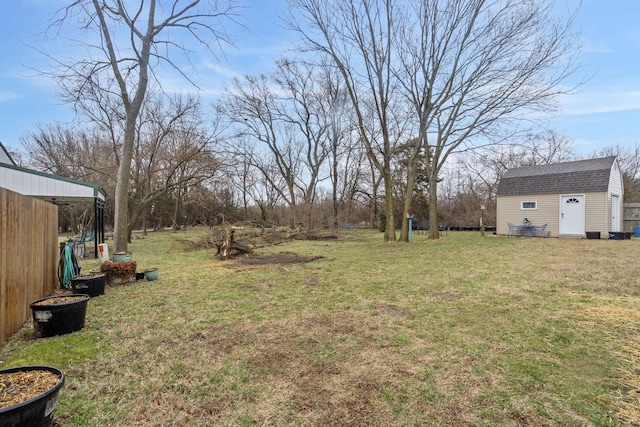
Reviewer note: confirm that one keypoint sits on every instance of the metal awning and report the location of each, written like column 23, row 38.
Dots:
column 52, row 188
column 55, row 189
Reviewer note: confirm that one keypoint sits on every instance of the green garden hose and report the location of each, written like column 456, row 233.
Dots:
column 68, row 268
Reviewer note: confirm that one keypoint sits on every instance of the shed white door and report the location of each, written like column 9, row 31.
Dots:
column 615, row 213
column 572, row 214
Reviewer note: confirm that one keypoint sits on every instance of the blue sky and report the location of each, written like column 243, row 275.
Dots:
column 605, row 112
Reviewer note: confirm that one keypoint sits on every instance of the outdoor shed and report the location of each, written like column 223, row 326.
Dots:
column 572, row 198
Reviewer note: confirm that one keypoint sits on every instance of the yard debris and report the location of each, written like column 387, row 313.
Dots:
column 231, row 241
column 119, row 272
column 227, row 245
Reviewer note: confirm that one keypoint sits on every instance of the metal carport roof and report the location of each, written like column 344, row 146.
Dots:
column 54, row 189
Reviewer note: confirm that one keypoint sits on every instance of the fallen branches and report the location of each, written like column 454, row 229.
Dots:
column 230, row 241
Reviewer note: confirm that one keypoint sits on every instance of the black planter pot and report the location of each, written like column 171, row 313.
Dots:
column 616, row 235
column 593, row 234
column 89, row 285
column 35, row 412
column 56, row 316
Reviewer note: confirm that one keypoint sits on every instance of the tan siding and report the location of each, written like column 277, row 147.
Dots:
column 596, row 209
column 597, row 216
column 508, row 210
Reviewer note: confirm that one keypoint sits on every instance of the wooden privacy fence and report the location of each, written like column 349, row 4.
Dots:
column 28, row 257
column 630, row 216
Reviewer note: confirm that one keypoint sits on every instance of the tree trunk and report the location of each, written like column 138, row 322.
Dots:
column 412, row 166
column 121, row 211
column 390, row 228
column 176, row 210
column 404, row 230
column 434, row 232
column 334, row 189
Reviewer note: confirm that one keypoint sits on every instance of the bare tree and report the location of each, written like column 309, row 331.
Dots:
column 486, row 166
column 254, row 107
column 629, row 161
column 346, row 156
column 63, row 151
column 358, row 37
column 134, row 39
column 173, row 152
column 289, row 115
column 473, row 70
column 308, row 107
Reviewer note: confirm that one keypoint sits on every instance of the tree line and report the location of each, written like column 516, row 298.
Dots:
column 386, row 107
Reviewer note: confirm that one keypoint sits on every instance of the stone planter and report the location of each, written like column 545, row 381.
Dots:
column 39, row 385
column 59, row 315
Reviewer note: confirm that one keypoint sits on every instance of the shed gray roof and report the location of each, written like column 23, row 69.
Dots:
column 581, row 176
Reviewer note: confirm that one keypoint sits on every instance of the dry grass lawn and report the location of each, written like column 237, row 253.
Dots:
column 463, row 331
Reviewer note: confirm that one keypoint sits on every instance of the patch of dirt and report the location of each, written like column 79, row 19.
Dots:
column 280, row 258
column 18, row 387
column 310, row 362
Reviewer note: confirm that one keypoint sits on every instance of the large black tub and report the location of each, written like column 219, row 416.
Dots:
column 37, row 411
column 92, row 285
column 59, row 315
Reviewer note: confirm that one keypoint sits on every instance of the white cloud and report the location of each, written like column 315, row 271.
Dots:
column 225, row 72
column 8, row 96
column 599, row 47
column 600, row 100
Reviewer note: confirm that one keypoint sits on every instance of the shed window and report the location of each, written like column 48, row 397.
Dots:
column 529, row 205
